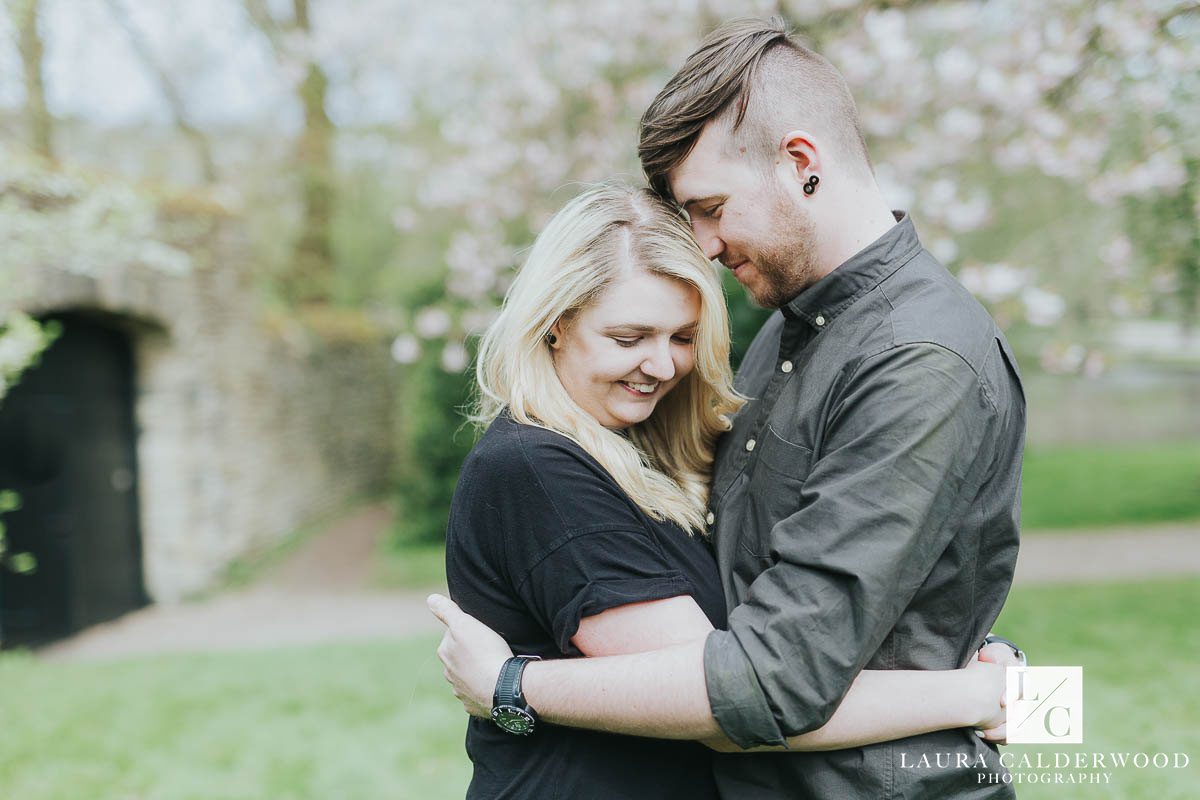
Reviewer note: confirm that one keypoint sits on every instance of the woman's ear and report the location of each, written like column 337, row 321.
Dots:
column 556, row 334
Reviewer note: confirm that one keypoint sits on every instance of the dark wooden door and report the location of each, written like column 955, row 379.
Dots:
column 67, row 448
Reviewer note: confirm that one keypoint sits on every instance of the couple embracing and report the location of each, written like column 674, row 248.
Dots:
column 781, row 583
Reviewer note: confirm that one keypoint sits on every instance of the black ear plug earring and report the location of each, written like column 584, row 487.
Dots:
column 811, row 186
column 551, row 339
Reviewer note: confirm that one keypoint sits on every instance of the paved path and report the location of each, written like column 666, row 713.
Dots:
column 320, row 594
column 323, row 593
column 1110, row 555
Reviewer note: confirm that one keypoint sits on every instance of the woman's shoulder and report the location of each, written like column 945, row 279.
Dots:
column 511, row 445
column 514, row 459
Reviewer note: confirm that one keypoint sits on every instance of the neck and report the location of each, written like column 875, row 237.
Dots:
column 859, row 216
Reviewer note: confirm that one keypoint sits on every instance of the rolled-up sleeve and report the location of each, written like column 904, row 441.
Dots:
column 902, row 458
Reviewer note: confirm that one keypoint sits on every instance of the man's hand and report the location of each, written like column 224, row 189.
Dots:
column 471, row 654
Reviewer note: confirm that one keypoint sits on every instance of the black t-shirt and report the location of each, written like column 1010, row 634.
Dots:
column 540, row 536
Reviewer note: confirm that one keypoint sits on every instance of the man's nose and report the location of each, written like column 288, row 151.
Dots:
column 707, row 238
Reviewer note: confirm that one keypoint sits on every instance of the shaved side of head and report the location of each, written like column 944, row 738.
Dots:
column 752, row 76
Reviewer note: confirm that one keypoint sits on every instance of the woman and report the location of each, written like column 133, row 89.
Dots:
column 577, row 527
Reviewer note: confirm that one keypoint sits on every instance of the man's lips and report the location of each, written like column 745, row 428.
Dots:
column 735, row 268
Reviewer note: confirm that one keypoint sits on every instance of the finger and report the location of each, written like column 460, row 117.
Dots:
column 445, row 609
column 999, row 653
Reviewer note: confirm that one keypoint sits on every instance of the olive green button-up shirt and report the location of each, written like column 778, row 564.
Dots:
column 864, row 515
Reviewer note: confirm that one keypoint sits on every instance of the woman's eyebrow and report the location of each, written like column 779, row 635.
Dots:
column 636, row 328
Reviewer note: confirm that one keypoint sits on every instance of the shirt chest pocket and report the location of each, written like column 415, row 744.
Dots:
column 776, row 477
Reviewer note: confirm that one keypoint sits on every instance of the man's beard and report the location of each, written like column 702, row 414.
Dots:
column 788, row 264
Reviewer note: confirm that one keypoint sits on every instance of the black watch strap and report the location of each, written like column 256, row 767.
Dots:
column 508, row 685
column 1017, row 651
column 509, row 710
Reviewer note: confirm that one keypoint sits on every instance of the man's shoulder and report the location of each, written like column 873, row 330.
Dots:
column 926, row 304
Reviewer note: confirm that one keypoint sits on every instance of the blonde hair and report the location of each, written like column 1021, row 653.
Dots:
column 665, row 463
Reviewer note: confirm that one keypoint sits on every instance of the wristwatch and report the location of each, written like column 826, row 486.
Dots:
column 509, row 709
column 1018, row 652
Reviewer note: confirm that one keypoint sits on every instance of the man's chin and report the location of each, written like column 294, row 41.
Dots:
column 762, row 297
column 750, row 284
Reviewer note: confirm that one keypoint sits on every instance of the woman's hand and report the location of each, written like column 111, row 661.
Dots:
column 1002, row 655
column 987, row 682
column 471, row 654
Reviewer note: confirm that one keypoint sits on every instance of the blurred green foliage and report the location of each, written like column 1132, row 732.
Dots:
column 9, row 501
column 745, row 318
column 414, row 567
column 434, row 440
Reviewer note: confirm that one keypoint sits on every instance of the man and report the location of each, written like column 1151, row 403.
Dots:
column 864, row 507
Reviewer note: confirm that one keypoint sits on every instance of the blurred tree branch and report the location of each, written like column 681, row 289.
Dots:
column 25, row 16
column 260, row 15
column 828, row 21
column 310, row 279
column 1058, row 94
column 167, row 86
column 1178, row 11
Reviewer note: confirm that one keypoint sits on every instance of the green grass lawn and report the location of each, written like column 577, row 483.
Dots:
column 1139, row 646
column 359, row 722
column 376, row 721
column 1095, row 486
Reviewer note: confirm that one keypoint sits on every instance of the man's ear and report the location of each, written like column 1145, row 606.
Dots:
column 799, row 151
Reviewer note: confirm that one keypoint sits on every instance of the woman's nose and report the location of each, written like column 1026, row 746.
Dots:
column 659, row 364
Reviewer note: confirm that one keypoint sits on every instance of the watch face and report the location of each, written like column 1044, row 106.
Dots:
column 513, row 719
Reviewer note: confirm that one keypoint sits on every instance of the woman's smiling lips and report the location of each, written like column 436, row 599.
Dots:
column 645, row 390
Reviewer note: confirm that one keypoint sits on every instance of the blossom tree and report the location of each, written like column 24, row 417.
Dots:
column 1046, row 148
column 1035, row 121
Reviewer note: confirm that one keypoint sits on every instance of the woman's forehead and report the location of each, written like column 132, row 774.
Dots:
column 647, row 301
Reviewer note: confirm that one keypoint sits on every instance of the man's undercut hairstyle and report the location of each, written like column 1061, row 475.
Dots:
column 751, row 74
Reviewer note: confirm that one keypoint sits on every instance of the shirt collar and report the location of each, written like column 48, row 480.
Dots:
column 821, row 303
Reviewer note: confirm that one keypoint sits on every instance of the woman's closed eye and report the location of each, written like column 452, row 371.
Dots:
column 685, row 339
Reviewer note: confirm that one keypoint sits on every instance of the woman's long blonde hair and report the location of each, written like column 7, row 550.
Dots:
column 665, row 464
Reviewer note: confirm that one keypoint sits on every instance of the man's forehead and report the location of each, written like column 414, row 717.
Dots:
column 704, row 172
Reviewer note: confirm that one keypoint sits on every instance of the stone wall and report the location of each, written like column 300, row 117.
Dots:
column 247, row 427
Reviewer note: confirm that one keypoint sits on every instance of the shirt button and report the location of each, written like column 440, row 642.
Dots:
column 820, row 320
column 785, row 366
column 711, row 518
column 750, row 445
